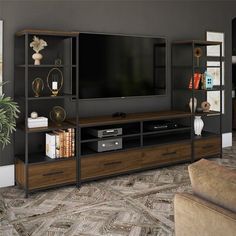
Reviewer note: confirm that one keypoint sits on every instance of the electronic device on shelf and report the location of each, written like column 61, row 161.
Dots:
column 162, row 125
column 106, row 145
column 103, row 133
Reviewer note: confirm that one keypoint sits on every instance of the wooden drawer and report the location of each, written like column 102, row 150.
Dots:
column 110, row 163
column 166, row 154
column 49, row 174
column 207, row 147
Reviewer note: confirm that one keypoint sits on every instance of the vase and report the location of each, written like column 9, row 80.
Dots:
column 234, row 59
column 194, row 105
column 198, row 125
column 37, row 57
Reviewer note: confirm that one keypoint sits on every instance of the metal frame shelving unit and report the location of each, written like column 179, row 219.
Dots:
column 189, row 63
column 22, row 67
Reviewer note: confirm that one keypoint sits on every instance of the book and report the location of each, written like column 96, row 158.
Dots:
column 73, row 142
column 51, row 145
column 196, row 81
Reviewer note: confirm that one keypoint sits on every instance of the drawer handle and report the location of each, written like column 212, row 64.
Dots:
column 112, row 163
column 208, row 146
column 169, row 153
column 53, row 173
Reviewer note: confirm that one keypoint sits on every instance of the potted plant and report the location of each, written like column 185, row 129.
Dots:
column 8, row 115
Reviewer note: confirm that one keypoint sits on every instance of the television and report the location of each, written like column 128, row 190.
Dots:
column 121, row 66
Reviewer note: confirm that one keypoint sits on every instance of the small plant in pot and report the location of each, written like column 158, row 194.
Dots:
column 8, row 114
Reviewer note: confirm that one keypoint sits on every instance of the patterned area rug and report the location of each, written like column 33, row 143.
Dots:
column 134, row 205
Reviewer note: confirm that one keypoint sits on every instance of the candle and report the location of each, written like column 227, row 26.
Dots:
column 54, row 85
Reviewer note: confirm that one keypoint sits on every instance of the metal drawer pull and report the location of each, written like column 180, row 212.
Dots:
column 53, row 173
column 112, row 163
column 169, row 153
column 208, row 146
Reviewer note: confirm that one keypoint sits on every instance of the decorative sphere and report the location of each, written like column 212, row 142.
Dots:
column 34, row 115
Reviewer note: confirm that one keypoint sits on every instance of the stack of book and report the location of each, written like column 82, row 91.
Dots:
column 60, row 143
column 38, row 122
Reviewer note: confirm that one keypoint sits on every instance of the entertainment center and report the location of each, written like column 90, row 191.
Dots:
column 109, row 145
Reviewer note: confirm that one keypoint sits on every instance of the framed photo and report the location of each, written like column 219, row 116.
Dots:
column 213, row 97
column 214, row 51
column 1, row 54
column 214, row 71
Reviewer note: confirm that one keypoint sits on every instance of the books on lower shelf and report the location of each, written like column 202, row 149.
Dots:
column 60, row 143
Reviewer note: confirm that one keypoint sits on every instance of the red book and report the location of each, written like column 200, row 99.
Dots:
column 196, row 81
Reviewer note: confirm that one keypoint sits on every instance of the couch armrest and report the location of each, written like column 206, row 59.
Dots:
column 195, row 216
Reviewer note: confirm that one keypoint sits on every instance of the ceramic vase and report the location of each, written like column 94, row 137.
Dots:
column 234, row 59
column 37, row 57
column 198, row 125
column 194, row 104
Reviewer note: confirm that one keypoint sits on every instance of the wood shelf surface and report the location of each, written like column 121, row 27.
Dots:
column 196, row 42
column 44, row 66
column 51, row 126
column 133, row 117
column 47, row 97
column 47, row 32
column 41, row 158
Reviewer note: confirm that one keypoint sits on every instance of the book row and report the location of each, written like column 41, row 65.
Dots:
column 60, row 143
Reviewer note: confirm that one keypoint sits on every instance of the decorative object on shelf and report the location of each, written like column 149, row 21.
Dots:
column 196, row 81
column 58, row 62
column 34, row 115
column 198, row 125
column 194, row 101
column 37, row 86
column 214, row 51
column 213, row 68
column 37, row 45
column 58, row 115
column 39, row 122
column 233, row 59
column 205, row 106
column 197, row 54
column 207, row 81
column 233, row 93
column 55, row 81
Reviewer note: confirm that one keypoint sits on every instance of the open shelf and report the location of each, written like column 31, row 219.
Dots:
column 37, row 158
column 174, row 130
column 47, row 97
column 165, row 138
column 51, row 126
column 206, row 134
column 44, row 66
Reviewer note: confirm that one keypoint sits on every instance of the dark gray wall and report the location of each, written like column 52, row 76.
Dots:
column 175, row 20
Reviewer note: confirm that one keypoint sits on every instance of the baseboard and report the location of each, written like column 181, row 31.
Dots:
column 7, row 176
column 227, row 140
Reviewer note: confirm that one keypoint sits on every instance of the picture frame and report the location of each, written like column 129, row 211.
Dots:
column 1, row 54
column 214, row 51
column 213, row 97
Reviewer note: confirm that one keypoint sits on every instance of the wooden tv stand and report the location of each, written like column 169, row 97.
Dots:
column 143, row 149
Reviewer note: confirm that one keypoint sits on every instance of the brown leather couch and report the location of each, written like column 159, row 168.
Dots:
column 211, row 209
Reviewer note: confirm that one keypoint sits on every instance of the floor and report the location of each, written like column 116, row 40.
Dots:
column 138, row 204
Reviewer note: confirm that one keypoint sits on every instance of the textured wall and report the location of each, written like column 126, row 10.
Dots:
column 175, row 20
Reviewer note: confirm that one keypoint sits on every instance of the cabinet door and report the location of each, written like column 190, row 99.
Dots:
column 207, row 147
column 108, row 164
column 49, row 174
column 166, row 154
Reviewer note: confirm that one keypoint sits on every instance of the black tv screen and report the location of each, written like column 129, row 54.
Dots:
column 121, row 66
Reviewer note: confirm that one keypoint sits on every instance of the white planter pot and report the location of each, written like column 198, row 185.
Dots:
column 198, row 125
column 37, row 57
column 234, row 59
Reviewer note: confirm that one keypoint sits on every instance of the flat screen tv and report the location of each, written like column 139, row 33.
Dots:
column 121, row 66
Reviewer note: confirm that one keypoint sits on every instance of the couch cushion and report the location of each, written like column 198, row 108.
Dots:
column 214, row 183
